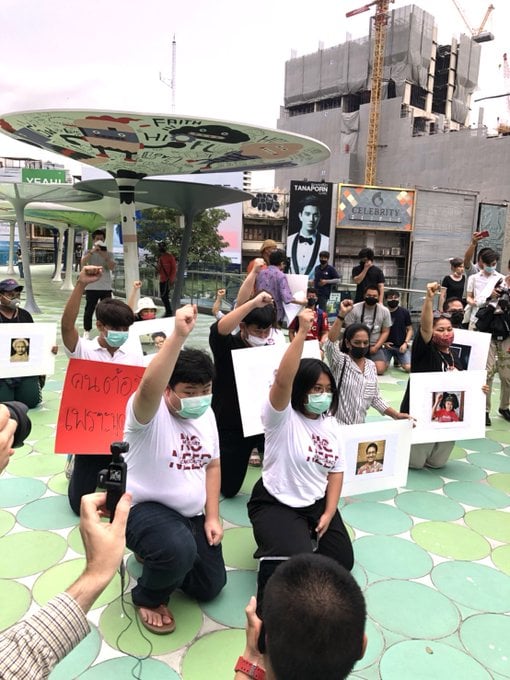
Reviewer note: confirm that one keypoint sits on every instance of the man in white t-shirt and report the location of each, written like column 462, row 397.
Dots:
column 174, row 478
column 113, row 319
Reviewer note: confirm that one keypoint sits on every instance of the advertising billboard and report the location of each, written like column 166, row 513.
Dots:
column 309, row 221
column 384, row 208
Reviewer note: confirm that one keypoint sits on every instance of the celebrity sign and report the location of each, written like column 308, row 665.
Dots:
column 375, row 208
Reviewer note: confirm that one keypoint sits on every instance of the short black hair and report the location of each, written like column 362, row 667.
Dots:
column 114, row 313
column 372, row 445
column 389, row 293
column 366, row 252
column 351, row 331
column 158, row 334
column 310, row 199
column 371, row 287
column 192, row 366
column 314, row 614
column 277, row 257
column 489, row 256
column 306, row 377
column 262, row 317
column 451, row 299
column 324, row 253
column 456, row 262
column 99, row 232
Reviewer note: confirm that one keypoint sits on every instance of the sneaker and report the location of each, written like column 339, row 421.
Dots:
column 505, row 412
column 488, row 421
column 86, row 335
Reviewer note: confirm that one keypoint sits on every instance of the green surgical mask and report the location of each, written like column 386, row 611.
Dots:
column 116, row 338
column 319, row 403
column 194, row 407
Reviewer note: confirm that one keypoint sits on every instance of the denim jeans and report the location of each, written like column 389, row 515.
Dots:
column 175, row 553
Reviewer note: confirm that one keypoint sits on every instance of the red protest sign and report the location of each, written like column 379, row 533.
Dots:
column 92, row 410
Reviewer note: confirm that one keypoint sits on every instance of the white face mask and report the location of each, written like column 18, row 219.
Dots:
column 255, row 341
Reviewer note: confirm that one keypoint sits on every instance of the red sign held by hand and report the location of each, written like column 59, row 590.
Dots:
column 93, row 406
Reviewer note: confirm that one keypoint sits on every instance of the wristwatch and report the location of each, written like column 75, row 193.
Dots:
column 250, row 669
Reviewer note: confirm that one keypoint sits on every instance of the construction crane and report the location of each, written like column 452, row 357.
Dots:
column 478, row 34
column 380, row 22
column 504, row 128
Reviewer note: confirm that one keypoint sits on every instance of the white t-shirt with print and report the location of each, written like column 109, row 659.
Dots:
column 299, row 454
column 167, row 458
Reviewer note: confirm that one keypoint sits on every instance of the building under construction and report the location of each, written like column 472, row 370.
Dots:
column 424, row 141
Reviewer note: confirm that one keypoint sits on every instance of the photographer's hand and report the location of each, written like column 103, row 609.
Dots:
column 7, row 430
column 104, row 547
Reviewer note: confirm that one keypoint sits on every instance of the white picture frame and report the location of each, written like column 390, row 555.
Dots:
column 39, row 339
column 142, row 330
column 472, row 348
column 393, row 439
column 298, row 284
column 467, row 386
column 254, row 370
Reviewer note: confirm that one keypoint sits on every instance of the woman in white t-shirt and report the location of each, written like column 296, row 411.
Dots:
column 294, row 507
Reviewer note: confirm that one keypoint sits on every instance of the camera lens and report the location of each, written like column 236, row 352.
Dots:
column 18, row 412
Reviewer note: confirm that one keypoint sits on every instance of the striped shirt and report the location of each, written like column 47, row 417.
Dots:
column 358, row 390
column 31, row 648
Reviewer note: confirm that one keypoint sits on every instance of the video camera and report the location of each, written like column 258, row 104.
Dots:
column 18, row 412
column 113, row 478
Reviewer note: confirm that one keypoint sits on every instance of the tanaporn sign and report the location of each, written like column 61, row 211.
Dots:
column 375, row 208
column 42, row 176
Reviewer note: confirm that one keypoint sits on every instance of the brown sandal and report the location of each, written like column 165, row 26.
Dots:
column 166, row 628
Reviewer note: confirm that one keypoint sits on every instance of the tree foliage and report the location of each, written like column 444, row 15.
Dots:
column 162, row 224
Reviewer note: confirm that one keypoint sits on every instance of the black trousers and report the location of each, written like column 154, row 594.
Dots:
column 235, row 452
column 164, row 294
column 281, row 530
column 84, row 478
column 92, row 297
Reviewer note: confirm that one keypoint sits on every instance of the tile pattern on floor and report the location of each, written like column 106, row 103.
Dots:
column 433, row 559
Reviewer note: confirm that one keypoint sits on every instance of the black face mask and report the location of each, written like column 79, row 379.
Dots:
column 311, row 302
column 457, row 318
column 359, row 352
column 392, row 304
column 371, row 301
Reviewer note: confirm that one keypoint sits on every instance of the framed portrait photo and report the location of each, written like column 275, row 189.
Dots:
column 376, row 456
column 150, row 334
column 25, row 349
column 448, row 406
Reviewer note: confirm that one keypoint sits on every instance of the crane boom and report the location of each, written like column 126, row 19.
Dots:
column 380, row 22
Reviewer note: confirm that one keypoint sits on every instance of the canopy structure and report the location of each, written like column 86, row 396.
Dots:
column 189, row 198
column 132, row 145
column 19, row 194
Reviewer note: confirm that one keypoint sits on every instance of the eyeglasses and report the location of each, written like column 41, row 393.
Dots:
column 441, row 315
column 320, row 389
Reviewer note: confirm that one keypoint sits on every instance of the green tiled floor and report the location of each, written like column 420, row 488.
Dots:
column 433, row 560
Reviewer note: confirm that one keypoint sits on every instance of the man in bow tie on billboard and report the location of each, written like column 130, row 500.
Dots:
column 303, row 247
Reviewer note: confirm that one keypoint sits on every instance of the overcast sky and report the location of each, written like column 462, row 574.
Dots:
column 231, row 55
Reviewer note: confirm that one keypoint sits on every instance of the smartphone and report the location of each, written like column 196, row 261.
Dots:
column 267, row 566
column 484, row 234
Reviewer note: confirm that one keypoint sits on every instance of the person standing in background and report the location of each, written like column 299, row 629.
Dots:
column 325, row 276
column 100, row 289
column 366, row 274
column 166, row 267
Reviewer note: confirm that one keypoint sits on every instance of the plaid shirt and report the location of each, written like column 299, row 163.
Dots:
column 30, row 649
